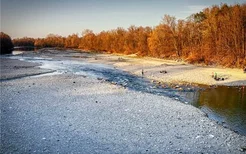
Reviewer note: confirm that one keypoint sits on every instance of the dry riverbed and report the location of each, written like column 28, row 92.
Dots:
column 167, row 71
column 70, row 113
column 170, row 71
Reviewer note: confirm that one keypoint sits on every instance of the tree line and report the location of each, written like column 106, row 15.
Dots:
column 214, row 36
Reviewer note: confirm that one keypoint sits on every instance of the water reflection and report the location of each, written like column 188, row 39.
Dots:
column 226, row 105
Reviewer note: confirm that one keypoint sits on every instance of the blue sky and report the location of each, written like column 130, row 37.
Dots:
column 37, row 18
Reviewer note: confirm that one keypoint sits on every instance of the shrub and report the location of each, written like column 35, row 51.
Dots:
column 6, row 44
column 195, row 58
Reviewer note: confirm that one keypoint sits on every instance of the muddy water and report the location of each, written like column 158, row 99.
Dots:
column 226, row 105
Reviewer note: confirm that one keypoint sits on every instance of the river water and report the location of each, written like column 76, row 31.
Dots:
column 225, row 105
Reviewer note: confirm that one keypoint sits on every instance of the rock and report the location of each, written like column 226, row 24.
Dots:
column 198, row 137
column 180, row 89
column 243, row 149
column 124, row 84
column 164, row 71
column 176, row 86
column 114, row 83
column 178, row 137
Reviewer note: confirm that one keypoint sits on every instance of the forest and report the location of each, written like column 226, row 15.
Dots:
column 214, row 36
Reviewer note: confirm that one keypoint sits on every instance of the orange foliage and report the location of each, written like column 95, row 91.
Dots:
column 216, row 35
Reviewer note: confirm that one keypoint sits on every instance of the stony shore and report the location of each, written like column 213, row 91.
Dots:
column 170, row 71
column 70, row 113
column 166, row 71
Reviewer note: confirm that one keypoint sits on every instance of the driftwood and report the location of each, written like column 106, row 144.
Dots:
column 120, row 59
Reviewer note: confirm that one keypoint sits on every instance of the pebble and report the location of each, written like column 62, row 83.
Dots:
column 198, row 137
column 211, row 136
column 243, row 149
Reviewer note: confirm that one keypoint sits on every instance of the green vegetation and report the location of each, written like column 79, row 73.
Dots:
column 6, row 44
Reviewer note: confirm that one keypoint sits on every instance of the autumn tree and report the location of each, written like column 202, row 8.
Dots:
column 72, row 41
column 143, row 34
column 88, row 40
column 131, row 42
column 161, row 42
column 213, row 36
column 6, row 43
column 25, row 41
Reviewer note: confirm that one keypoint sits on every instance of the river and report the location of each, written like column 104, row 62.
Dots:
column 225, row 105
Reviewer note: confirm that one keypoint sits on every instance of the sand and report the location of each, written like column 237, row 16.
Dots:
column 177, row 72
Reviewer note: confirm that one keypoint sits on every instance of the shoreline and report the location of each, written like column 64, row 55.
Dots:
column 116, row 118
column 177, row 72
column 11, row 69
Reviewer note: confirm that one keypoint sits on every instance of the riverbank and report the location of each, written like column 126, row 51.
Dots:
column 170, row 71
column 166, row 71
column 74, row 114
column 14, row 69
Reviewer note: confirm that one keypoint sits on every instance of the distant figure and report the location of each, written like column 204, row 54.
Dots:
column 215, row 75
column 142, row 72
column 244, row 70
